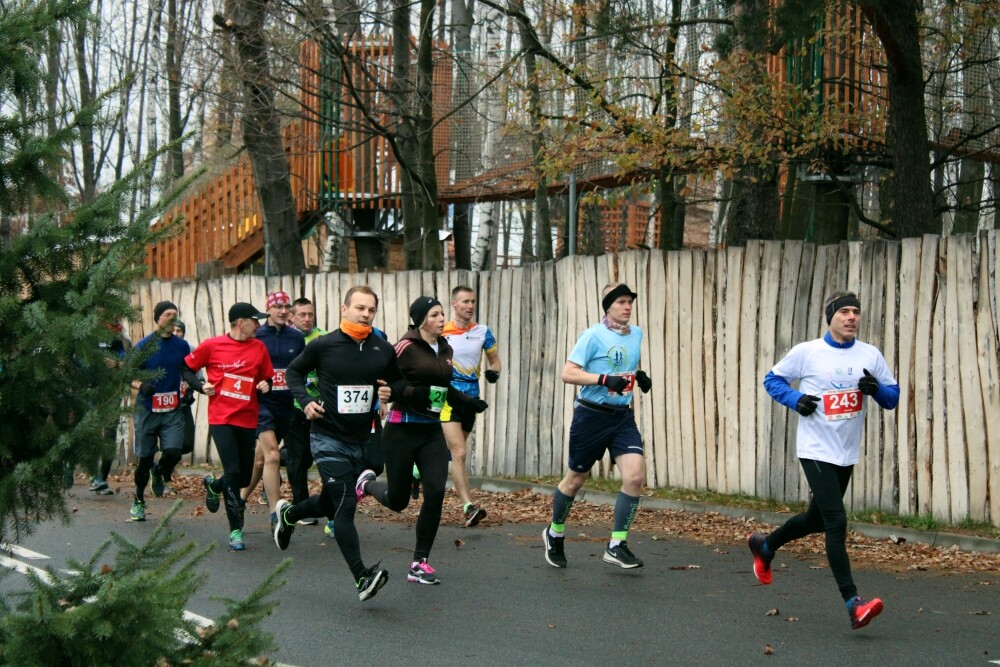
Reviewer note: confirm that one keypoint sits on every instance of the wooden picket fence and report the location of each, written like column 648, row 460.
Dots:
column 715, row 322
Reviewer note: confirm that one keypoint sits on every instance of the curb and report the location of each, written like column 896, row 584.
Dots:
column 874, row 531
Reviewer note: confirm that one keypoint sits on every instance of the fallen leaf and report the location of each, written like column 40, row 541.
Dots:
column 768, row 649
column 792, row 619
column 685, row 567
column 979, row 613
column 772, row 612
column 459, row 544
column 75, row 510
column 551, row 626
column 105, row 569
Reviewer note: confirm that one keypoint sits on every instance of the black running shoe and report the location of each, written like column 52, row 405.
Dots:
column 371, row 581
column 415, row 488
column 621, row 556
column 474, row 515
column 211, row 497
column 282, row 529
column 158, row 484
column 554, row 554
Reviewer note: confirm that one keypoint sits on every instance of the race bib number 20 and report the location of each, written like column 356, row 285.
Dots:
column 841, row 404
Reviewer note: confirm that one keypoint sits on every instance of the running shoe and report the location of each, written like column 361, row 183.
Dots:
column 422, row 573
column 371, row 581
column 211, row 497
column 863, row 611
column 473, row 515
column 761, row 563
column 554, row 554
column 236, row 540
column 138, row 512
column 328, row 528
column 157, row 481
column 363, row 478
column 621, row 556
column 310, row 521
column 280, row 527
column 100, row 487
column 415, row 488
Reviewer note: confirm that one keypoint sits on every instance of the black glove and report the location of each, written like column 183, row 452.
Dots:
column 643, row 381
column 806, row 405
column 868, row 384
column 478, row 404
column 492, row 376
column 147, row 389
column 615, row 383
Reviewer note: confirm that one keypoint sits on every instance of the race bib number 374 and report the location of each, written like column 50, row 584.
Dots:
column 354, row 399
column 841, row 404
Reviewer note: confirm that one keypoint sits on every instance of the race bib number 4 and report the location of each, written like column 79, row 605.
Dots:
column 165, row 402
column 438, row 396
column 278, row 382
column 235, row 386
column 353, row 399
column 841, row 404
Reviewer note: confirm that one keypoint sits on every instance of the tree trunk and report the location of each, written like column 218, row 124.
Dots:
column 400, row 92
column 89, row 170
column 262, row 137
column 897, row 27
column 175, row 158
column 430, row 209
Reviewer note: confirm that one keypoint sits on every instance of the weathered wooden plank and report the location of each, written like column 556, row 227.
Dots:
column 500, row 321
column 696, row 352
column 550, row 369
column 986, row 337
column 866, row 476
column 787, row 298
column 655, row 364
column 519, row 367
column 680, row 312
column 767, row 322
column 957, row 261
column 906, row 441
column 922, row 401
column 722, row 413
column 889, row 489
column 532, row 376
column 711, row 369
column 747, row 443
column 734, row 284
column 940, row 500
column 672, row 377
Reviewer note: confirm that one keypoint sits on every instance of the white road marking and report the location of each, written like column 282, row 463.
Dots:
column 21, row 552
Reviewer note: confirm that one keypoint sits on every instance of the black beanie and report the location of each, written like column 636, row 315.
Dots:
column 160, row 308
column 420, row 308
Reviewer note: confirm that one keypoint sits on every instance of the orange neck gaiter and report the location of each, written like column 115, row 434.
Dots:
column 356, row 331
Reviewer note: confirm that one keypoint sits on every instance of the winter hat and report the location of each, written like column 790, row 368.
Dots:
column 161, row 308
column 420, row 308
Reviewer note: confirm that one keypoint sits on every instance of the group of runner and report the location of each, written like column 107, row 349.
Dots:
column 325, row 395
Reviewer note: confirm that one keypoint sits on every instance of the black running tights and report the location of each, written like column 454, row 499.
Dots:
column 235, row 445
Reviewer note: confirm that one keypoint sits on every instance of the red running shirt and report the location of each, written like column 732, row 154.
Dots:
column 234, row 367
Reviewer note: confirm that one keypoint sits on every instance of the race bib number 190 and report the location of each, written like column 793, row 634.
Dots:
column 165, row 402
column 354, row 399
column 841, row 404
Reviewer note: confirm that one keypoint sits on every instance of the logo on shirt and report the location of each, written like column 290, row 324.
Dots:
column 617, row 355
column 842, row 378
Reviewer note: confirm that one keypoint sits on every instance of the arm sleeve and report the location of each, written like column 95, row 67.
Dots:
column 295, row 375
column 780, row 390
column 190, row 376
column 888, row 391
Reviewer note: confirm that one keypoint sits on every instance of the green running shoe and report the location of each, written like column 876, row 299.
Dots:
column 236, row 540
column 138, row 512
column 328, row 528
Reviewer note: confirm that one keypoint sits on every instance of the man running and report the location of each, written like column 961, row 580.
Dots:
column 277, row 408
column 835, row 374
column 354, row 366
column 605, row 362
column 158, row 418
column 238, row 367
column 468, row 341
column 296, row 455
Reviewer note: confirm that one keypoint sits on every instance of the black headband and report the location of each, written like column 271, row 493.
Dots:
column 844, row 301
column 613, row 295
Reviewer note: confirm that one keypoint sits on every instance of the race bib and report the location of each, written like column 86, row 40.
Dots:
column 438, row 396
column 353, row 399
column 235, row 386
column 841, row 404
column 165, row 402
column 278, row 382
column 630, row 378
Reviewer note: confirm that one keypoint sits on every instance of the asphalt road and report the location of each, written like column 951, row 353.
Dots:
column 499, row 603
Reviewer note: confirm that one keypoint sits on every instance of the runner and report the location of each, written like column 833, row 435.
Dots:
column 413, row 430
column 187, row 399
column 158, row 419
column 277, row 408
column 605, row 362
column 468, row 341
column 238, row 366
column 116, row 349
column 354, row 366
column 835, row 373
column 296, row 454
